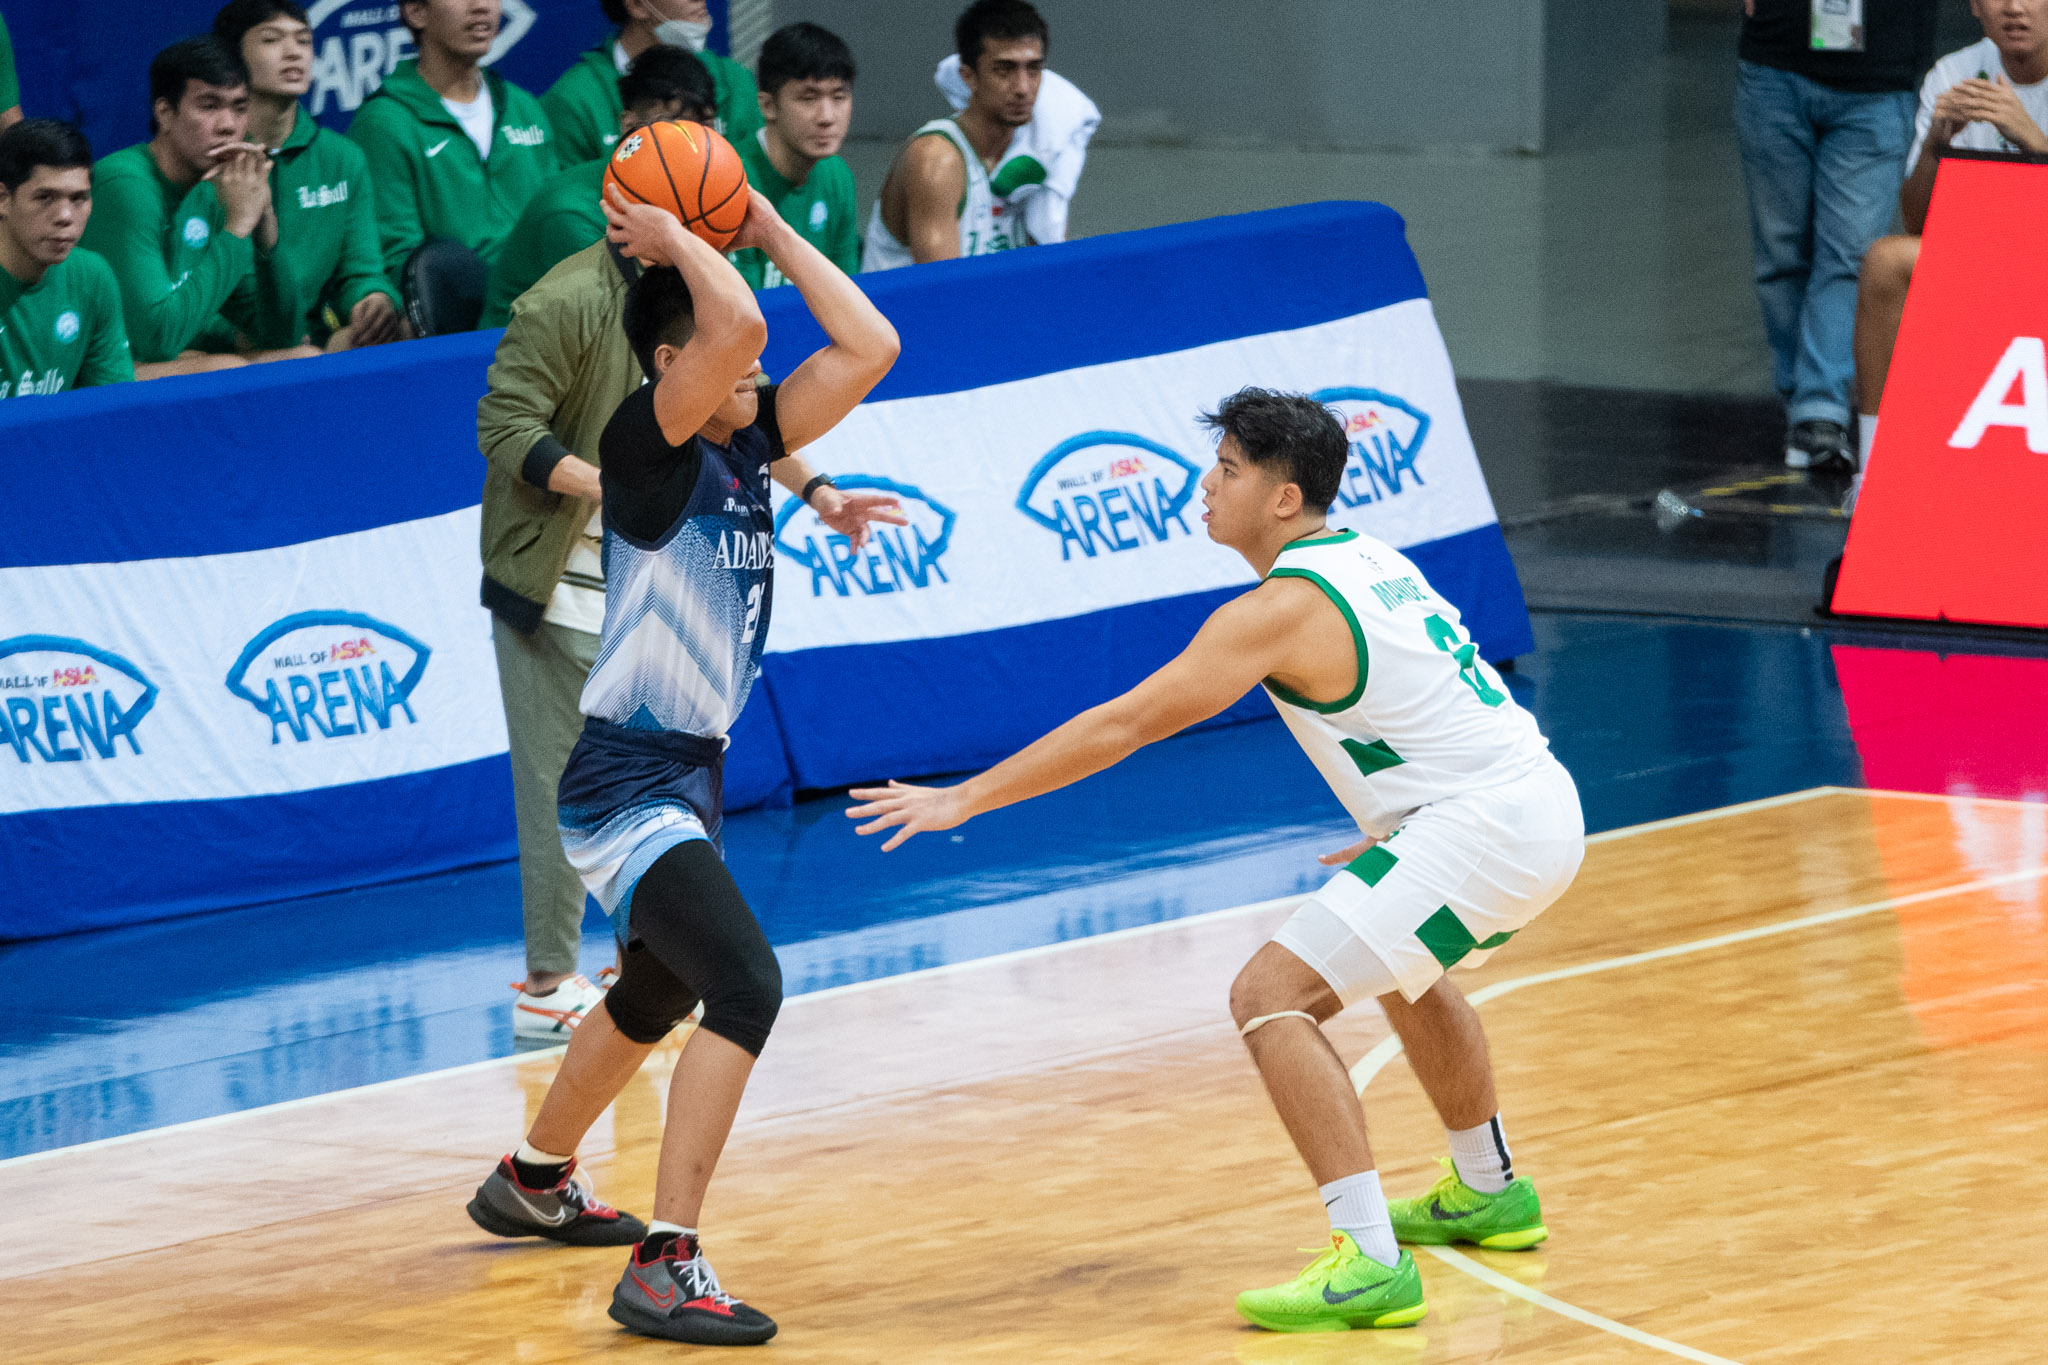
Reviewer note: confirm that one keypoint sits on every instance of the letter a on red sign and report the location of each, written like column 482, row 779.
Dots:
column 1950, row 523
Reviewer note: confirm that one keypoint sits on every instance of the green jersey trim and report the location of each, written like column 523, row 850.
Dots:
column 1371, row 758
column 1334, row 538
column 1349, row 699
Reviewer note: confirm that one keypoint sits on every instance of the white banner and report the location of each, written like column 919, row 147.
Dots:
column 1076, row 491
column 340, row 660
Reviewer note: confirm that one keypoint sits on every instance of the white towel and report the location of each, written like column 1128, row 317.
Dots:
column 1061, row 124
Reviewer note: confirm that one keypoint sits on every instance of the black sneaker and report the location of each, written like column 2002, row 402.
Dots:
column 674, row 1294
column 565, row 1212
column 1819, row 445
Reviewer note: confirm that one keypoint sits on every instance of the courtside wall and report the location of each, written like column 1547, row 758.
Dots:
column 241, row 656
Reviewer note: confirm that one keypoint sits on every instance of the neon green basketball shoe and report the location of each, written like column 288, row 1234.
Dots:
column 1341, row 1289
column 1453, row 1211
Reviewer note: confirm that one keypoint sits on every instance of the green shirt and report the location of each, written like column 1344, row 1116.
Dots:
column 585, row 104
column 327, row 231
column 63, row 332
column 10, row 84
column 186, row 282
column 563, row 217
column 429, row 180
column 821, row 209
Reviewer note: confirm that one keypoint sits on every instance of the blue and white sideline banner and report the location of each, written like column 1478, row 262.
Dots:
column 241, row 658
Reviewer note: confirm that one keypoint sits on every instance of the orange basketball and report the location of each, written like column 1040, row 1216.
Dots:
column 688, row 170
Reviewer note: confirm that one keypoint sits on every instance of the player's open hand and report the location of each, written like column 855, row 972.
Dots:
column 916, row 810
column 1345, row 855
column 852, row 512
column 640, row 230
column 1994, row 102
column 762, row 224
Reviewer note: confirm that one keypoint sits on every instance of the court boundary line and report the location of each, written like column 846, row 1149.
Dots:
column 1388, row 1048
column 1015, row 955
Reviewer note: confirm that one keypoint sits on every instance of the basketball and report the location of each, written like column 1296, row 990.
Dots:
column 685, row 169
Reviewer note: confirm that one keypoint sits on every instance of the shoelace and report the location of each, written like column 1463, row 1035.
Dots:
column 580, row 1197
column 700, row 1281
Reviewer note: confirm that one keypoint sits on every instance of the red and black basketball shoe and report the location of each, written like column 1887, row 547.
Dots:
column 673, row 1293
column 564, row 1212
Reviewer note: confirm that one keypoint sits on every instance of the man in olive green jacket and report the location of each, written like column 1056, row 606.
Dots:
column 560, row 370
column 455, row 151
column 584, row 104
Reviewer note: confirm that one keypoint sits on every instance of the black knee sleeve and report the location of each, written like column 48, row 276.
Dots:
column 648, row 1000
column 690, row 915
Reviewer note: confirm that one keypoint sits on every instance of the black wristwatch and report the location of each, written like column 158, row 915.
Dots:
column 820, row 481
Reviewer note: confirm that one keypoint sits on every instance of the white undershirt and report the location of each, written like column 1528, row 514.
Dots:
column 574, row 604
column 477, row 118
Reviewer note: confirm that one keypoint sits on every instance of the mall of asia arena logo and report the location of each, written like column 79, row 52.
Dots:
column 64, row 701
column 895, row 558
column 329, row 674
column 357, row 43
column 1105, row 492
column 1386, row 435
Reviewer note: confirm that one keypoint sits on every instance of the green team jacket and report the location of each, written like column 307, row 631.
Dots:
column 10, row 84
column 429, row 180
column 186, row 282
column 326, row 230
column 585, row 105
column 562, row 218
column 822, row 209
column 561, row 369
column 64, row 331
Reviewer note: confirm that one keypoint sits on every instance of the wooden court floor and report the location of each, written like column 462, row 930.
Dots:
column 1779, row 1073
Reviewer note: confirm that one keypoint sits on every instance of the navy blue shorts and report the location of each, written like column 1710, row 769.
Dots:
column 629, row 796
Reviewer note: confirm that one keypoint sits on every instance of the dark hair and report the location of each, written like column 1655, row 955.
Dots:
column 803, row 52
column 614, row 10
column 668, row 75
column 40, row 142
column 1002, row 20
column 237, row 17
column 658, row 309
column 205, row 59
column 1291, row 431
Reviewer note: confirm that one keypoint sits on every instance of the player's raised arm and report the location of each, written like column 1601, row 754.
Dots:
column 728, row 333
column 861, row 343
column 1242, row 643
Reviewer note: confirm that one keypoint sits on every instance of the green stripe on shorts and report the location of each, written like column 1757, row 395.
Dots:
column 1447, row 939
column 1372, row 865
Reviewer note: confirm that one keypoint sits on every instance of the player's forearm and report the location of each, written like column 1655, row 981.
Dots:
column 1098, row 738
column 792, row 472
column 1918, row 190
column 723, row 306
column 849, row 318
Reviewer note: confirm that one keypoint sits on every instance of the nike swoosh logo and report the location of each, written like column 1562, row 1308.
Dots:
column 1347, row 1295
column 561, row 1215
column 435, row 150
column 661, row 1301
column 1436, row 1212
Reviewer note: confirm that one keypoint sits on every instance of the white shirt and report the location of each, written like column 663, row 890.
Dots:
column 1978, row 61
column 477, row 118
column 578, row 600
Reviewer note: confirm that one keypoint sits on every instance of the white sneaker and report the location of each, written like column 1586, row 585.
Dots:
column 554, row 1016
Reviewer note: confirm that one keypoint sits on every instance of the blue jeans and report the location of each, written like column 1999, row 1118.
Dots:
column 1823, row 168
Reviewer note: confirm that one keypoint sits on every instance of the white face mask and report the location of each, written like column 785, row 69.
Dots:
column 683, row 34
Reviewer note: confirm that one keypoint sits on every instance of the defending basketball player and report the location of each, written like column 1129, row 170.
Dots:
column 688, row 536
column 1472, row 829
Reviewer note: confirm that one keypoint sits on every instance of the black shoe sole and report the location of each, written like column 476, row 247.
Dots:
column 699, row 1329
column 593, row 1233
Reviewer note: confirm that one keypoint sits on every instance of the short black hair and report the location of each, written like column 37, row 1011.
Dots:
column 1002, row 20
column 1290, row 431
column 658, row 310
column 803, row 52
column 237, row 17
column 668, row 75
column 205, row 59
column 614, row 10
column 40, row 142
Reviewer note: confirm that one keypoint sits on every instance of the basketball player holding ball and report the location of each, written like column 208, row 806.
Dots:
column 688, row 536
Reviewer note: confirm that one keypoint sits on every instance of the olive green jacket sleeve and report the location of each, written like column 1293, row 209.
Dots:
column 536, row 361
column 164, row 315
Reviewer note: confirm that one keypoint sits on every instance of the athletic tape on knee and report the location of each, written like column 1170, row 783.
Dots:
column 1265, row 1019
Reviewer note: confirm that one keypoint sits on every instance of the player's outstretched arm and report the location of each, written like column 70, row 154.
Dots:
column 861, row 344
column 1239, row 645
column 730, row 332
column 852, row 513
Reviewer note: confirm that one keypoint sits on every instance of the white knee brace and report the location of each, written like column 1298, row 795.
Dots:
column 1265, row 1019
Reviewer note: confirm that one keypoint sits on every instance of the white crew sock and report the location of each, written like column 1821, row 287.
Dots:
column 1866, row 433
column 1481, row 1156
column 534, row 1156
column 1358, row 1207
column 678, row 1229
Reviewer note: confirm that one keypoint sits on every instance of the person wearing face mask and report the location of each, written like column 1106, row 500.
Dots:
column 584, row 103
column 807, row 100
column 455, row 150
column 319, row 187
column 187, row 223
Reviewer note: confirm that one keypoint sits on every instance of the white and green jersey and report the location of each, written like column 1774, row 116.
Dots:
column 991, row 209
column 1428, row 718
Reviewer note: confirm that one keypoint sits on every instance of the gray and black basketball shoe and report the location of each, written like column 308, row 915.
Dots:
column 673, row 1294
column 566, row 1212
